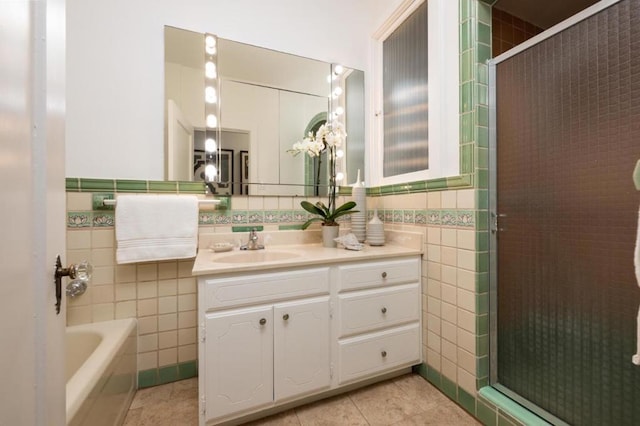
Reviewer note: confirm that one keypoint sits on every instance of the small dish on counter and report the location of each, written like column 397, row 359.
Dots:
column 221, row 247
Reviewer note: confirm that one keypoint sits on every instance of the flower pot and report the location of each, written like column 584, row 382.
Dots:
column 328, row 234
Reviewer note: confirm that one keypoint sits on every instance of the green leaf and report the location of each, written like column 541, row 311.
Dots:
column 346, row 206
column 310, row 221
column 311, row 208
column 324, row 208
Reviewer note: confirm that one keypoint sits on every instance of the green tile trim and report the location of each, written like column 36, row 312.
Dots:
column 246, row 228
column 187, row 370
column 72, row 184
column 296, row 227
column 131, row 185
column 92, row 185
column 345, row 191
column 160, row 186
column 467, row 401
column 148, row 378
column 487, row 413
column 449, row 388
column 168, row 374
column 191, row 188
column 510, row 407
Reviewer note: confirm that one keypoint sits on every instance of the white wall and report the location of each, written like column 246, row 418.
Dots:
column 115, row 62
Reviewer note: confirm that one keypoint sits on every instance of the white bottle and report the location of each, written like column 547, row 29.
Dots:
column 375, row 231
column 358, row 220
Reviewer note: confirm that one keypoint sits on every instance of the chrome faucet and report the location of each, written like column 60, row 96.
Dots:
column 252, row 244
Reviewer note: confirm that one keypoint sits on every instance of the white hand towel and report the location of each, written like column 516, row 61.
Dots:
column 156, row 227
column 636, row 261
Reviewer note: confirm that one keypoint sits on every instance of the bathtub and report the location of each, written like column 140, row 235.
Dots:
column 101, row 371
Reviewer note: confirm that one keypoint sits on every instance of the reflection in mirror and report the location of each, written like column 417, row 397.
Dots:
column 268, row 100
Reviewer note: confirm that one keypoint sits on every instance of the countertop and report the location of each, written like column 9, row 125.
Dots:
column 209, row 263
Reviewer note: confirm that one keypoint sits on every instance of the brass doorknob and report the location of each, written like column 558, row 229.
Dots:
column 384, row 354
column 384, row 275
column 285, row 317
column 263, row 321
column 384, row 310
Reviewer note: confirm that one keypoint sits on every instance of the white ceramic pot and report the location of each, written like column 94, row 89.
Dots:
column 328, row 234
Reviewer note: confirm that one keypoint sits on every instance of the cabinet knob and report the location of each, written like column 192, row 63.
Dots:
column 384, row 310
column 384, row 354
column 384, row 275
column 285, row 317
column 263, row 321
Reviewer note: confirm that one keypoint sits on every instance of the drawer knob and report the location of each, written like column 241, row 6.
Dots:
column 263, row 321
column 384, row 354
column 285, row 317
column 384, row 275
column 384, row 310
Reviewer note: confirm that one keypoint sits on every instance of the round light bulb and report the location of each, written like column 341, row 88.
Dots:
column 210, row 145
column 212, row 121
column 210, row 44
column 338, row 69
column 339, row 153
column 339, row 110
column 337, row 91
column 210, row 70
column 210, row 95
column 210, row 172
column 339, row 176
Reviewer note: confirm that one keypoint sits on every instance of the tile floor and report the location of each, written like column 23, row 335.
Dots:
column 405, row 400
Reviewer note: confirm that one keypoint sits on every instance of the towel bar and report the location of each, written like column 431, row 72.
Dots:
column 111, row 202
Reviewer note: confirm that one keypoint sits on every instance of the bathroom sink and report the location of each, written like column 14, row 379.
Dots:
column 253, row 256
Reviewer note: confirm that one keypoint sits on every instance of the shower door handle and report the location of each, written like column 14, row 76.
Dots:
column 495, row 223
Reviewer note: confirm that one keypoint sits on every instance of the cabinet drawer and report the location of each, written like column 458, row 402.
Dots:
column 373, row 353
column 368, row 310
column 259, row 288
column 373, row 274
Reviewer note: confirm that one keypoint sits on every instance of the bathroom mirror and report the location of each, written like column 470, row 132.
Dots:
column 268, row 101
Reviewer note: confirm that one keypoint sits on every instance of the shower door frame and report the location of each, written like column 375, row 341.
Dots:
column 494, row 215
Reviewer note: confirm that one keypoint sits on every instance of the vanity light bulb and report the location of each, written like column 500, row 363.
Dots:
column 338, row 69
column 337, row 91
column 212, row 121
column 210, row 145
column 339, row 111
column 210, row 44
column 210, row 172
column 339, row 153
column 339, row 176
column 210, row 95
column 210, row 70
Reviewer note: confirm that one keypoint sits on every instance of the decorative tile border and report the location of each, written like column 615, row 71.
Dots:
column 79, row 219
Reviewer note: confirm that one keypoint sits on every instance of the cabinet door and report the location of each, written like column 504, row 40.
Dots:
column 239, row 360
column 301, row 348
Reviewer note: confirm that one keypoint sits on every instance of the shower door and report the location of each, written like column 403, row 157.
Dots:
column 567, row 128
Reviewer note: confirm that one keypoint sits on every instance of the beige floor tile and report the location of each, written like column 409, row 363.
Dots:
column 151, row 396
column 339, row 410
column 384, row 403
column 406, row 400
column 441, row 415
column 286, row 418
column 133, row 417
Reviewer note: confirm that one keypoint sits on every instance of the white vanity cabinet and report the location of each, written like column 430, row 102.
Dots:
column 270, row 338
column 259, row 355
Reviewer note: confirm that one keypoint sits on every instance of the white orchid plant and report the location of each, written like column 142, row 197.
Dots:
column 329, row 138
